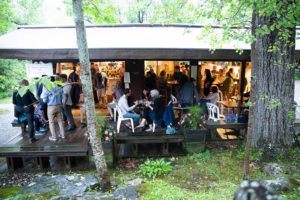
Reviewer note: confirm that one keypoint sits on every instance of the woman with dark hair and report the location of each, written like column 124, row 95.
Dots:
column 213, row 97
column 208, row 82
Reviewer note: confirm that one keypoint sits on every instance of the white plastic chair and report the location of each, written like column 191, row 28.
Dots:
column 214, row 112
column 115, row 113
column 121, row 118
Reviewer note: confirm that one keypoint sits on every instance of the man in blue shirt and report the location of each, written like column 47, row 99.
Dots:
column 54, row 101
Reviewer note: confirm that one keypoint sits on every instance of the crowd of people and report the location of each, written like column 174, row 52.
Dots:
column 152, row 108
column 50, row 104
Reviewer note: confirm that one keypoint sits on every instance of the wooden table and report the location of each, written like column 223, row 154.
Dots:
column 233, row 105
column 213, row 126
column 238, row 98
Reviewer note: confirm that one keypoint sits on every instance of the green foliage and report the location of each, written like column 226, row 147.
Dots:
column 192, row 119
column 274, row 103
column 105, row 129
column 5, row 16
column 5, row 100
column 9, row 191
column 155, row 168
column 26, row 12
column 214, row 174
column 34, row 196
column 200, row 157
column 96, row 11
column 100, row 12
column 254, row 154
column 11, row 72
column 175, row 11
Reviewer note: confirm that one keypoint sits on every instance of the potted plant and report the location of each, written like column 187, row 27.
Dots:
column 194, row 132
column 105, row 133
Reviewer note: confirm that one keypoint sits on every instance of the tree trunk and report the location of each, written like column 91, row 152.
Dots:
column 273, row 83
column 88, row 96
column 252, row 99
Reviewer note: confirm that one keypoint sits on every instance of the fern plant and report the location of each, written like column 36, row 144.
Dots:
column 155, row 168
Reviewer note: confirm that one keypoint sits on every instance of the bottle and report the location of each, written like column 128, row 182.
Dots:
column 236, row 118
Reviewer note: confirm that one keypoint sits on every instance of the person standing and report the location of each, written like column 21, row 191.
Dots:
column 26, row 105
column 67, row 102
column 208, row 82
column 54, row 101
column 75, row 90
column 100, row 88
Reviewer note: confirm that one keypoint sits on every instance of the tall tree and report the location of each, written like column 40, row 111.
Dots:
column 272, row 36
column 88, row 95
column 273, row 55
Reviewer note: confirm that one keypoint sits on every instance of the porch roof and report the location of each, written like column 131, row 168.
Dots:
column 117, row 43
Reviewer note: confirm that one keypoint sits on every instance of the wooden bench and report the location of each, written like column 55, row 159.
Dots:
column 146, row 138
column 15, row 154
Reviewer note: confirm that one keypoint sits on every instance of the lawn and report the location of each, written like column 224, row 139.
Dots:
column 213, row 174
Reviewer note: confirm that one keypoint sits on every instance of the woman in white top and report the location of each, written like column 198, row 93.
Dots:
column 125, row 109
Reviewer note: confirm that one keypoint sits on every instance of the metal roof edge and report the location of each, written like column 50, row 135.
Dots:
column 118, row 25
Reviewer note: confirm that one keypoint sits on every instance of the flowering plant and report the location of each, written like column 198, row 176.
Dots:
column 193, row 119
column 105, row 130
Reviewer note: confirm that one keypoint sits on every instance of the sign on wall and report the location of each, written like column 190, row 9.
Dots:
column 38, row 69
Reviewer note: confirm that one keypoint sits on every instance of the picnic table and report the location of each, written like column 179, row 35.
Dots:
column 240, row 129
column 139, row 138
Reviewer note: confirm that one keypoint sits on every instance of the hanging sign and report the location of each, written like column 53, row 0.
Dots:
column 38, row 69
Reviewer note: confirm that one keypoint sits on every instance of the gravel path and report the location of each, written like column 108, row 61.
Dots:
column 7, row 132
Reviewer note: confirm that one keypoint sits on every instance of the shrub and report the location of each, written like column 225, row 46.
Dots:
column 155, row 168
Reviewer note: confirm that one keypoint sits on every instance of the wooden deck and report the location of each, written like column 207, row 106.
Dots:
column 75, row 145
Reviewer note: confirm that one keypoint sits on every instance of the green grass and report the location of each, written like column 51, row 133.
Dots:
column 214, row 174
column 9, row 191
column 6, row 100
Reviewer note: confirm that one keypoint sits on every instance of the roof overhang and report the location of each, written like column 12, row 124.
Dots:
column 119, row 42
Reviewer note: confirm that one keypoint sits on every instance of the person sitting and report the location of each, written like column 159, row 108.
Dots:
column 169, row 117
column 188, row 93
column 40, row 122
column 213, row 97
column 125, row 109
column 155, row 113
